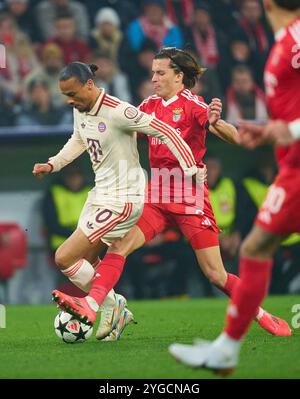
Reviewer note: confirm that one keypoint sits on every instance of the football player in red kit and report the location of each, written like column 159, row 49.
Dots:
column 279, row 215
column 174, row 73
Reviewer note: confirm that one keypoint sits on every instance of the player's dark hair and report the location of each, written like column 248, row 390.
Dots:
column 79, row 70
column 291, row 5
column 182, row 61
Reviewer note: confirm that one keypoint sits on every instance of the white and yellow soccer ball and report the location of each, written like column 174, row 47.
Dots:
column 71, row 330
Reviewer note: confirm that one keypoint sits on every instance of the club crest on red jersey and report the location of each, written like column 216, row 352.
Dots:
column 177, row 114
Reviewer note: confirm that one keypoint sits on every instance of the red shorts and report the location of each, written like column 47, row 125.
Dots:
column 280, row 212
column 199, row 229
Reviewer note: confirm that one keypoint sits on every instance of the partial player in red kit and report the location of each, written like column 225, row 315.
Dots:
column 179, row 203
column 279, row 215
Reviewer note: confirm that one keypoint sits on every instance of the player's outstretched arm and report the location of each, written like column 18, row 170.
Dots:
column 218, row 126
column 73, row 148
column 132, row 119
column 226, row 131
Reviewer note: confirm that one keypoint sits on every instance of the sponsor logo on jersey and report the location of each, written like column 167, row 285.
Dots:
column 177, row 114
column 101, row 127
column 131, row 112
column 137, row 120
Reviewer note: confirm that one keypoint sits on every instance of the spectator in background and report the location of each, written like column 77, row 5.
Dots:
column 252, row 189
column 155, row 25
column 73, row 47
column 110, row 78
column 47, row 10
column 240, row 51
column 61, row 207
column 144, row 90
column 19, row 10
column 239, row 54
column 259, row 36
column 206, row 41
column 107, row 35
column 141, row 67
column 20, row 56
column 127, row 10
column 244, row 99
column 180, row 12
column 223, row 198
column 39, row 110
column 208, row 86
column 7, row 114
column 52, row 61
column 225, row 14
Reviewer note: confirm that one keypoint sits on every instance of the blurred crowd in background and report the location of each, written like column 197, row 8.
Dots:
column 231, row 38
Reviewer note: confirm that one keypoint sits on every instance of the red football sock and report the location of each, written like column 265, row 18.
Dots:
column 231, row 283
column 107, row 276
column 247, row 296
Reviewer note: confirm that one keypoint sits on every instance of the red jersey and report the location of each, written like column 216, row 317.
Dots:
column 185, row 112
column 282, row 82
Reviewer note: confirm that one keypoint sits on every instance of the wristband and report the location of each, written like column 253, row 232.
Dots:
column 294, row 128
column 51, row 166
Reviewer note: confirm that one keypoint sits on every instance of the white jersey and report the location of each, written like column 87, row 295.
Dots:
column 108, row 133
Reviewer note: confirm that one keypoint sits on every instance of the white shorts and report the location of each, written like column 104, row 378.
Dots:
column 108, row 221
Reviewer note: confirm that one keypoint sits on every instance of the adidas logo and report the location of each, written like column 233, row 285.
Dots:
column 206, row 222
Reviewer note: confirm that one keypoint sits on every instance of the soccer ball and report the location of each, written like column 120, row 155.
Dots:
column 71, row 330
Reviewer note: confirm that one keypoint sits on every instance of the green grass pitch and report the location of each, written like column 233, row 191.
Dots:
column 29, row 347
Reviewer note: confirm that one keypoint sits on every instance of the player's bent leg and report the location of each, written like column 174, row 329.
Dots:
column 260, row 244
column 133, row 240
column 210, row 262
column 76, row 247
column 73, row 256
column 212, row 266
column 114, row 314
column 136, row 237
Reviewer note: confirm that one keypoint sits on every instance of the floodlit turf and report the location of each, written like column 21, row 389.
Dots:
column 29, row 347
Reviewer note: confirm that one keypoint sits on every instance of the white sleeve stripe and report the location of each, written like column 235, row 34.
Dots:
column 295, row 33
column 187, row 151
column 112, row 98
column 193, row 97
column 109, row 100
column 203, row 105
column 188, row 158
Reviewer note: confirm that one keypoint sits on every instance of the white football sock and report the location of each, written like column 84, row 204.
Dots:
column 259, row 314
column 81, row 274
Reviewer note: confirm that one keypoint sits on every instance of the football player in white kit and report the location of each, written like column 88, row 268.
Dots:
column 105, row 127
